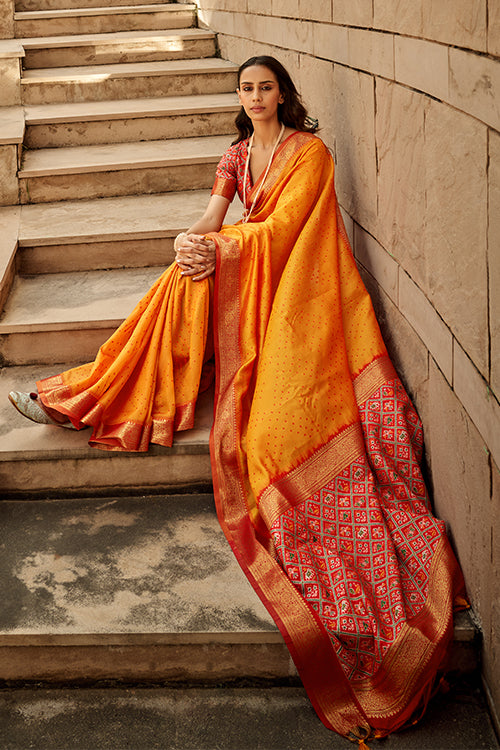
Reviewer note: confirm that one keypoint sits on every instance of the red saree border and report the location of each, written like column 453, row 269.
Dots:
column 299, row 625
column 85, row 411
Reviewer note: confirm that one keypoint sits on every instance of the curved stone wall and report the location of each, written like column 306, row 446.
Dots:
column 408, row 98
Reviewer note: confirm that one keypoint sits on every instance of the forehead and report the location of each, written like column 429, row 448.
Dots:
column 257, row 74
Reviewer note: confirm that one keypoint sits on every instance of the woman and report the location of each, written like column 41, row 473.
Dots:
column 315, row 446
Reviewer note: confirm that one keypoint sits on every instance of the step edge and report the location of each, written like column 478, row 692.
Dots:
column 18, row 640
column 38, row 15
column 112, row 37
column 131, row 114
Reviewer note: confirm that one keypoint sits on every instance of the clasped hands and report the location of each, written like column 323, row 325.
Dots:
column 195, row 255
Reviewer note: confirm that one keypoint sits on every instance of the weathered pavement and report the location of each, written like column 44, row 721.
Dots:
column 275, row 718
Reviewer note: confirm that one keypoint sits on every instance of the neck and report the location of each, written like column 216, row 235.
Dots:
column 266, row 134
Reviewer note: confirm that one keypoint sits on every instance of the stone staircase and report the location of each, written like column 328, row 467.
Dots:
column 116, row 568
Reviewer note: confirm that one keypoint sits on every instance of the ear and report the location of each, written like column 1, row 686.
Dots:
column 239, row 95
column 281, row 99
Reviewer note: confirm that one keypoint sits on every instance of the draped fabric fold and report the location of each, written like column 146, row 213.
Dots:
column 315, row 459
column 315, row 446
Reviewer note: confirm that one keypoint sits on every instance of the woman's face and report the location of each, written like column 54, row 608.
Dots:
column 259, row 93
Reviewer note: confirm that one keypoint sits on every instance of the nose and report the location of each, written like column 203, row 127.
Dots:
column 256, row 94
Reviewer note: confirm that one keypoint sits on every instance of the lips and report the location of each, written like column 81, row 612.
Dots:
column 257, row 109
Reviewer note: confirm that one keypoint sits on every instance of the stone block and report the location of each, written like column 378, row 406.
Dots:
column 494, row 27
column 316, row 77
column 478, row 400
column 422, row 65
column 10, row 75
column 331, row 42
column 354, row 126
column 7, row 9
column 320, row 10
column 461, row 487
column 475, row 86
column 359, row 13
column 287, row 8
column 9, row 189
column 455, row 227
column 494, row 257
column 457, row 22
column 399, row 16
column 424, row 319
column 9, row 222
column 401, row 174
column 259, row 6
column 371, row 51
column 377, row 261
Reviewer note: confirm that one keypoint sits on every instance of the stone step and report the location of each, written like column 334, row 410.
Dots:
column 129, row 588
column 97, row 20
column 31, row 5
column 117, row 47
column 132, row 589
column 126, row 232
column 120, row 169
column 45, row 461
column 257, row 717
column 128, row 81
column 128, row 120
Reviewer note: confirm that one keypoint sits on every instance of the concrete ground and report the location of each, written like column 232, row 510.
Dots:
column 272, row 718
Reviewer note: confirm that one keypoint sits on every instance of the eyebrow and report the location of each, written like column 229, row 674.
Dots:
column 242, row 83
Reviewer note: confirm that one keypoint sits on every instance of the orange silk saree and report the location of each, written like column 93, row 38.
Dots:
column 315, row 459
column 315, row 445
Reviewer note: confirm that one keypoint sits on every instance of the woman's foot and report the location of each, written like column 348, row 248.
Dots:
column 28, row 404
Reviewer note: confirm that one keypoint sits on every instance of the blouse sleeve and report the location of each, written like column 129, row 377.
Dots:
column 226, row 175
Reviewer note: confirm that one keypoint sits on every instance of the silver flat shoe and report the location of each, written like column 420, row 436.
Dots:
column 27, row 404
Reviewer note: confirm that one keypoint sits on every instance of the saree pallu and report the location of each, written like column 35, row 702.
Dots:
column 315, row 445
column 315, row 459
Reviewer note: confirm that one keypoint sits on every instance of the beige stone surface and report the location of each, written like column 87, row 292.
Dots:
column 377, row 261
column 457, row 22
column 475, row 86
column 372, row 52
column 11, row 125
column 101, row 20
column 455, row 228
column 121, row 47
column 288, row 8
column 331, row 42
column 259, row 6
column 478, row 400
column 401, row 175
column 399, row 16
column 9, row 232
column 424, row 319
column 350, row 13
column 128, row 81
column 10, row 75
column 494, row 258
column 114, row 156
column 322, row 108
column 494, row 27
column 320, row 10
column 422, row 65
column 354, row 126
column 7, row 19
column 461, row 485
column 129, row 130
column 9, row 188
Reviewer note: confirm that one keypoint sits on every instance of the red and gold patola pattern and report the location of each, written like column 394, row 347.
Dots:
column 315, row 455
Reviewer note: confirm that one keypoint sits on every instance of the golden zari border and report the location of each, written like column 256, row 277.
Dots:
column 373, row 377
column 423, row 639
column 326, row 463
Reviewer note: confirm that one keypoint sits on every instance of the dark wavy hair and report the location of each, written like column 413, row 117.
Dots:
column 291, row 112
